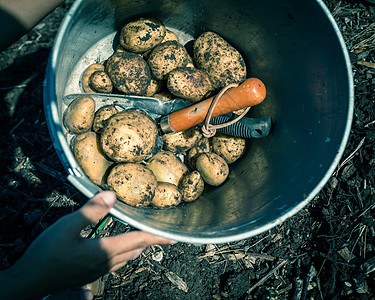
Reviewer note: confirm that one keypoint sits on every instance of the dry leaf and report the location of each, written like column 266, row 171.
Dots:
column 210, row 248
column 249, row 261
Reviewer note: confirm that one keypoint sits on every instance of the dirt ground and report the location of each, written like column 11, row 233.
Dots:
column 326, row 251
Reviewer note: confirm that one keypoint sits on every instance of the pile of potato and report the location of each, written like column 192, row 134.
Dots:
column 115, row 147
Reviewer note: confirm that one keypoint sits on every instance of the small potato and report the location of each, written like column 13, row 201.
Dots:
column 166, row 195
column 129, row 136
column 142, row 34
column 154, row 87
column 203, row 146
column 170, row 36
column 167, row 167
column 213, row 168
column 100, row 82
column 166, row 57
column 85, row 80
column 165, row 96
column 79, row 115
column 222, row 62
column 189, row 83
column 182, row 141
column 231, row 148
column 90, row 157
column 133, row 184
column 239, row 111
column 101, row 115
column 191, row 186
column 129, row 73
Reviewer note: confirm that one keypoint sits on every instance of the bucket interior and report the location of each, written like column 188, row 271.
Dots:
column 294, row 47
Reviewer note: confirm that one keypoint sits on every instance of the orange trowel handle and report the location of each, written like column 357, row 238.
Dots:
column 251, row 92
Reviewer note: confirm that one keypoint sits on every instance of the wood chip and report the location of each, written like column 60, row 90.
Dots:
column 177, row 281
column 235, row 256
column 366, row 64
column 345, row 254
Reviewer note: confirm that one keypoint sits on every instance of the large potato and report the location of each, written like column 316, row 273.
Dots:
column 133, row 184
column 129, row 73
column 182, row 141
column 79, row 115
column 166, row 57
column 189, row 83
column 129, row 136
column 142, row 34
column 90, row 157
column 166, row 195
column 167, row 167
column 222, row 62
column 191, row 186
column 231, row 148
column 213, row 168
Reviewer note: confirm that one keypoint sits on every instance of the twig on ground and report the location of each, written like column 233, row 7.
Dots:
column 268, row 275
column 306, row 282
column 51, row 172
column 350, row 156
column 355, row 244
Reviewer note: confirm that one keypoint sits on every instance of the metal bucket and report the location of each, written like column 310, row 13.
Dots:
column 294, row 47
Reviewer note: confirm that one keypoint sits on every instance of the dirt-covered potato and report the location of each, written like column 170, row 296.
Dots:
column 166, row 57
column 182, row 141
column 129, row 73
column 170, row 36
column 191, row 186
column 90, row 157
column 166, row 195
column 142, row 34
column 231, row 148
column 100, row 82
column 119, row 48
column 222, row 62
column 213, row 168
column 165, row 96
column 203, row 146
column 239, row 111
column 101, row 115
column 129, row 136
column 154, row 87
column 167, row 167
column 189, row 83
column 133, row 184
column 79, row 115
column 86, row 75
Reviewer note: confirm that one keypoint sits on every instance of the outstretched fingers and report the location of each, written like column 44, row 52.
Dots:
column 120, row 244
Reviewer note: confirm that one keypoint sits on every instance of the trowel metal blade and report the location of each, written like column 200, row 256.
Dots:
column 153, row 106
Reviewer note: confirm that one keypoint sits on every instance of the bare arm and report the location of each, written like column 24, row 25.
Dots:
column 60, row 258
column 19, row 16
